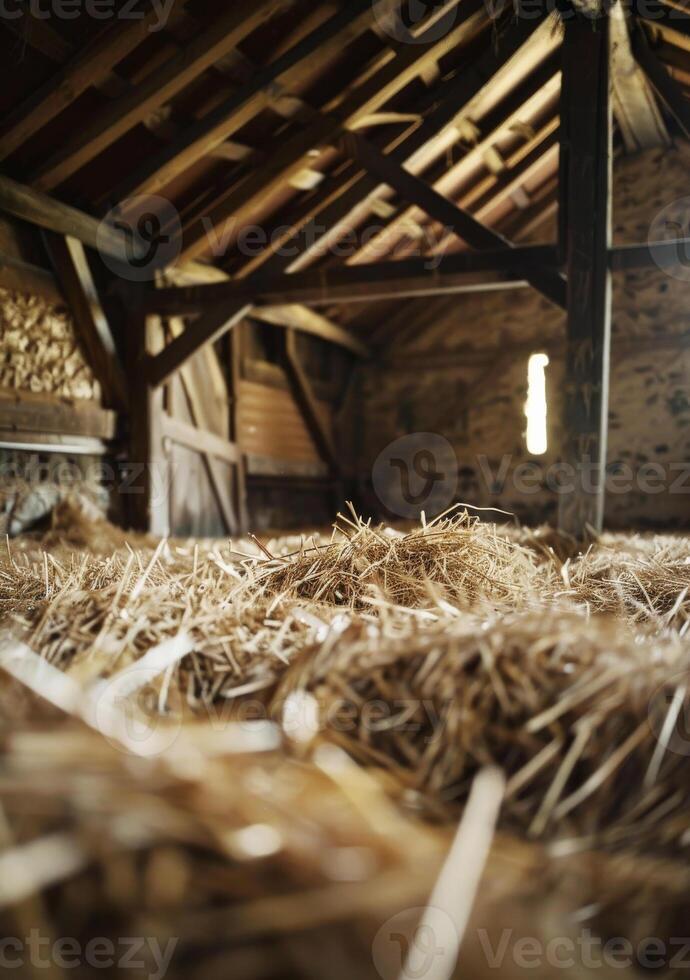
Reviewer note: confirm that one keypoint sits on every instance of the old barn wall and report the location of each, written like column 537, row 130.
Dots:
column 43, row 375
column 464, row 376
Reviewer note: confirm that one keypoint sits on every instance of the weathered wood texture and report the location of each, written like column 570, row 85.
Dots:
column 586, row 135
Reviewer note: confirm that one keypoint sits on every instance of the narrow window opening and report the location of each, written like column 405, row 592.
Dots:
column 535, row 407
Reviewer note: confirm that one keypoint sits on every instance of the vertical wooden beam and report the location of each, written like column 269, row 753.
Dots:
column 241, row 499
column 147, row 484
column 586, row 118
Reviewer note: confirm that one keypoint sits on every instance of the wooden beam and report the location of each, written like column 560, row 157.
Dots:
column 587, row 130
column 302, row 319
column 489, row 193
column 460, row 272
column 308, row 404
column 662, row 255
column 157, row 88
column 234, row 112
column 91, row 325
column 84, row 70
column 234, row 383
column 524, row 100
column 40, row 209
column 334, row 205
column 147, row 499
column 329, row 208
column 216, row 323
column 326, row 128
column 199, row 440
column 463, row 224
column 665, row 86
column 665, row 16
column 634, row 105
column 206, row 330
column 24, row 412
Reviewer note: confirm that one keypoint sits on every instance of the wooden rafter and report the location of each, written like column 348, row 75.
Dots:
column 539, row 87
column 235, row 111
column 665, row 86
column 634, row 105
column 91, row 325
column 450, row 215
column 326, row 127
column 330, row 208
column 157, row 88
column 85, row 69
column 519, row 168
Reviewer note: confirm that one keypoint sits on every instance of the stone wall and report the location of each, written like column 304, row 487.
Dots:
column 464, row 376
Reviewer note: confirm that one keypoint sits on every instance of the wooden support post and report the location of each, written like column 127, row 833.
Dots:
column 586, row 128
column 241, row 500
column 147, row 483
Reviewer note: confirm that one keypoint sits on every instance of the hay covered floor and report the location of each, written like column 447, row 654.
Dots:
column 364, row 755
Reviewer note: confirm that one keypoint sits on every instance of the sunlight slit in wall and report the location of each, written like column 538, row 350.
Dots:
column 536, row 408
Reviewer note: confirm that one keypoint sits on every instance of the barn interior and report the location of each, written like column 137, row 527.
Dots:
column 344, row 487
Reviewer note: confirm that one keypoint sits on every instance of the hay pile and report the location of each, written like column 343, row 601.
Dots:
column 455, row 559
column 200, row 851
column 572, row 711
column 639, row 580
column 429, row 657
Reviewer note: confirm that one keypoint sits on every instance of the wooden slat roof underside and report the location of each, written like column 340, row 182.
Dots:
column 96, row 111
